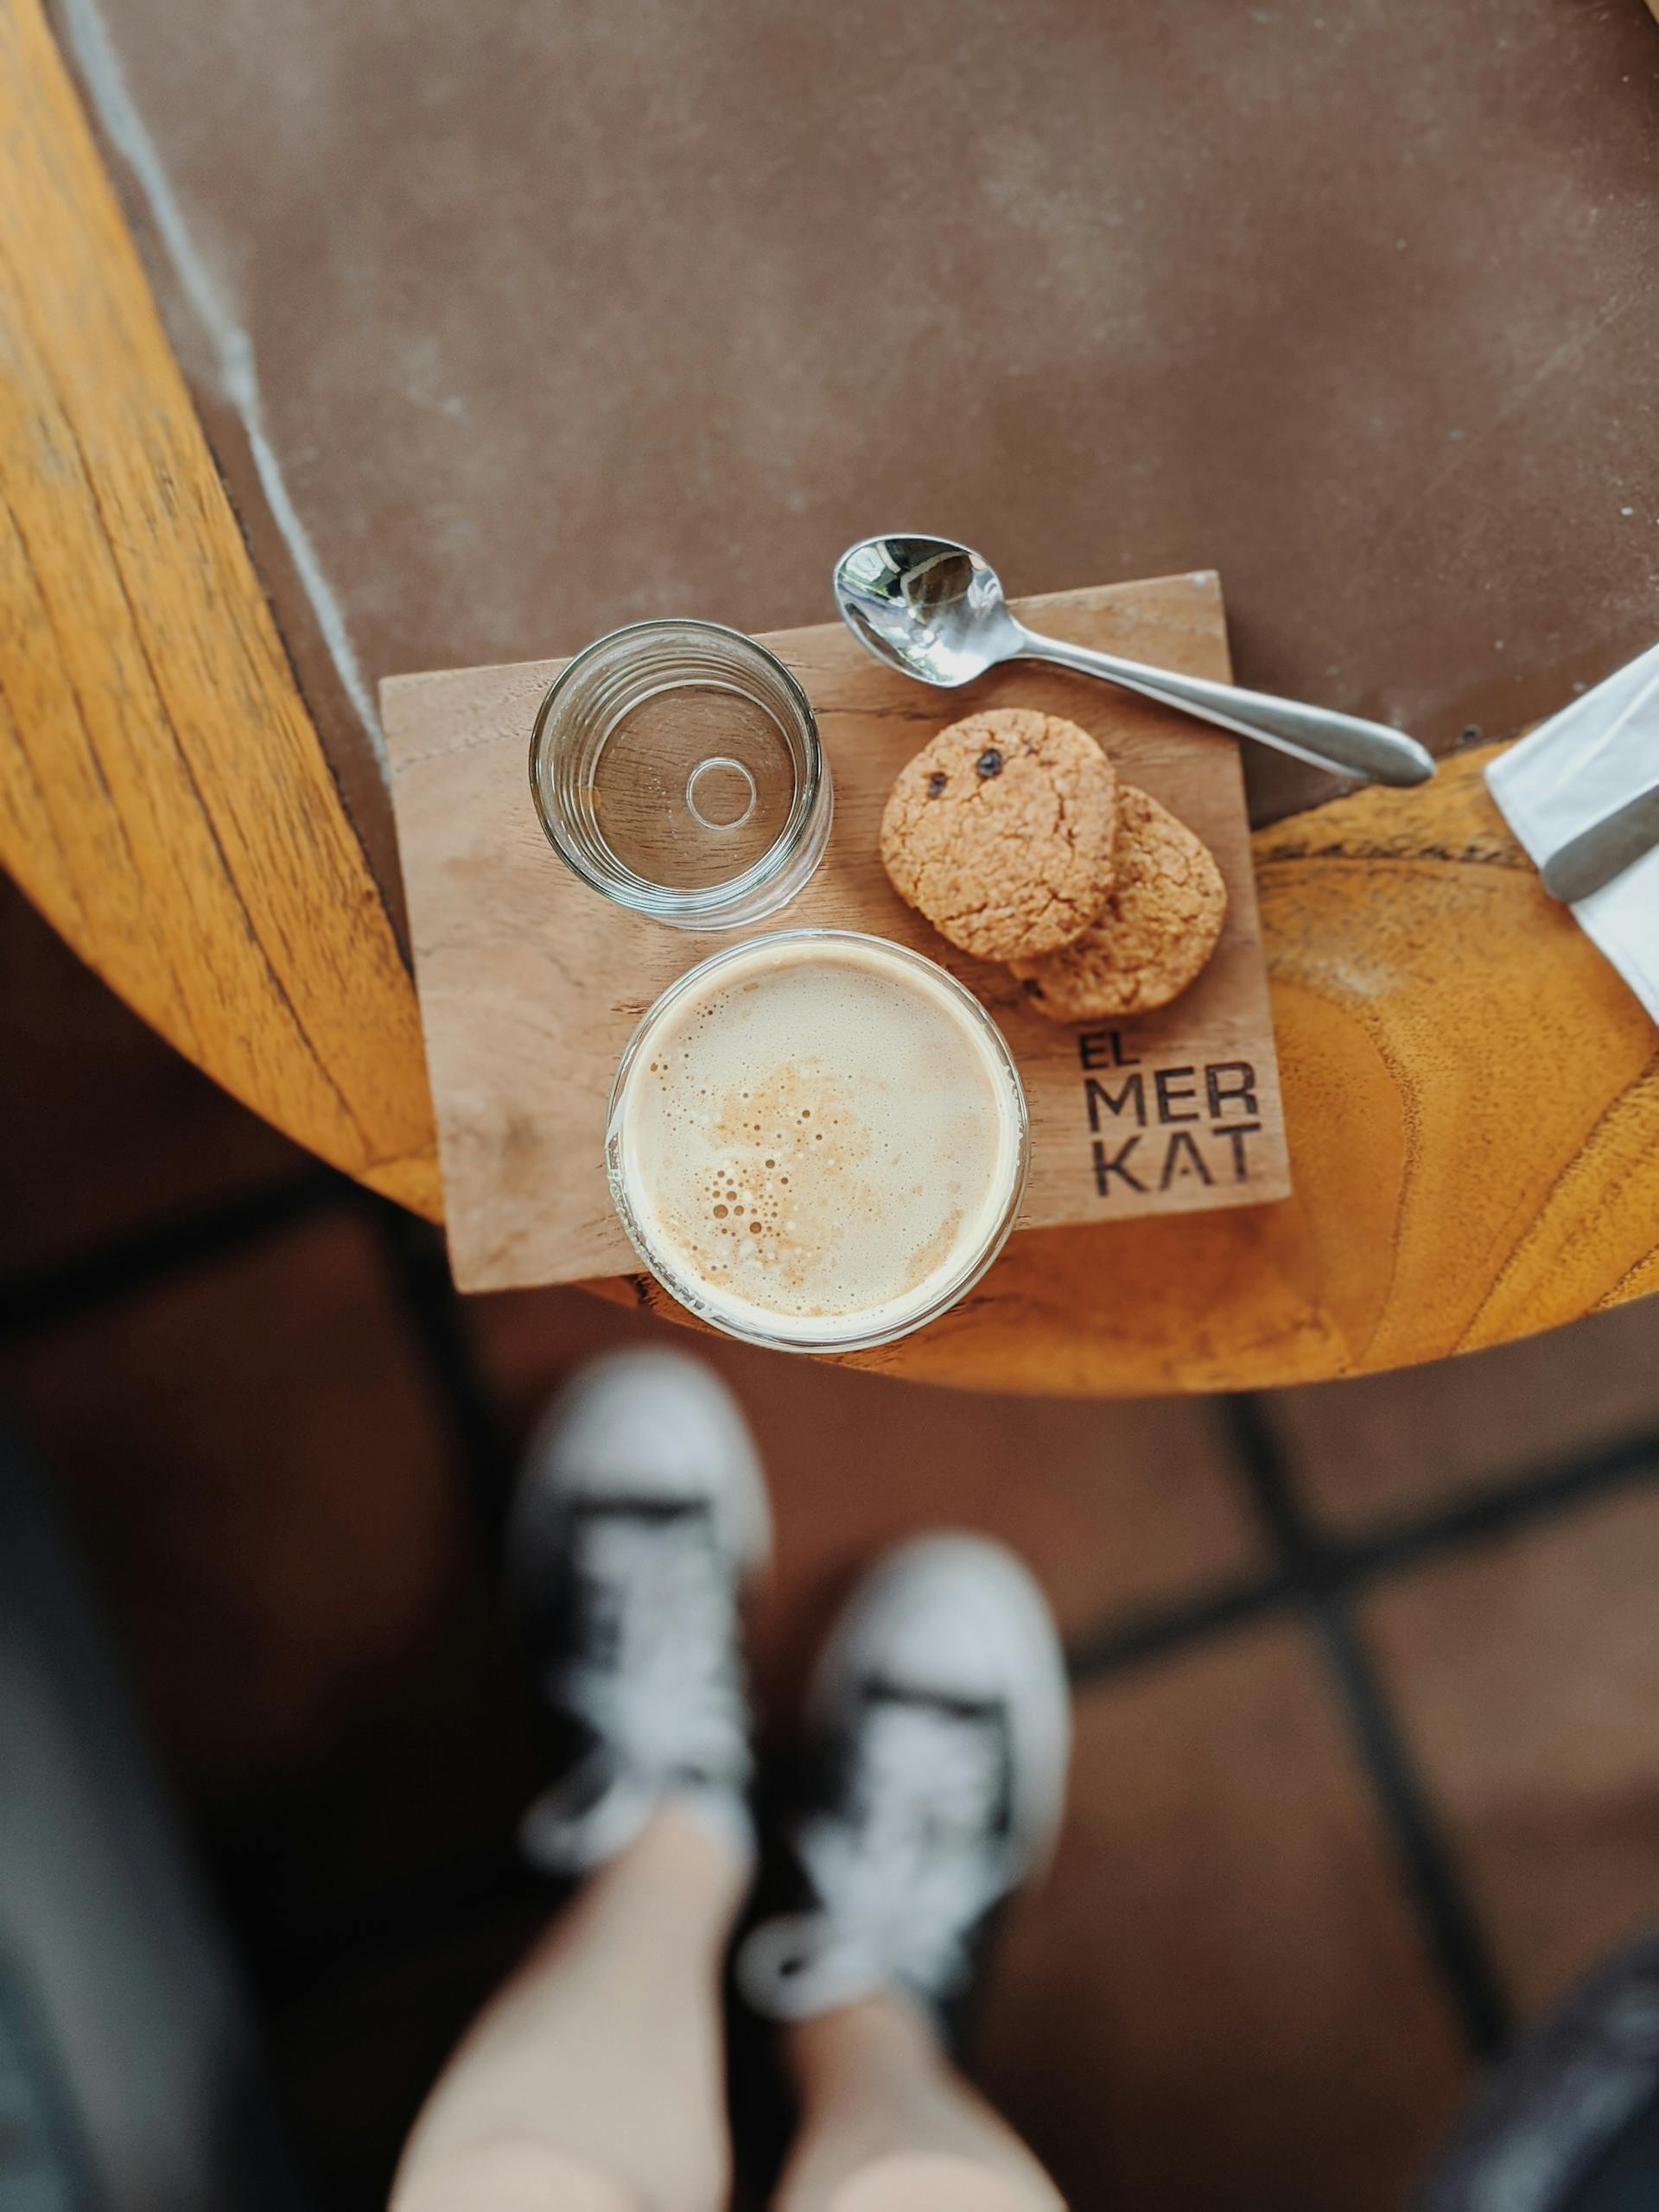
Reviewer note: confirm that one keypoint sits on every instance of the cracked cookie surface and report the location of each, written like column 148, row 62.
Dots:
column 1159, row 923
column 1000, row 832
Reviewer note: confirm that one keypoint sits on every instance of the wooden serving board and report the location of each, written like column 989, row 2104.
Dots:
column 531, row 983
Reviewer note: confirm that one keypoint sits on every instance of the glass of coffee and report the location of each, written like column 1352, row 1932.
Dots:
column 817, row 1140
column 677, row 768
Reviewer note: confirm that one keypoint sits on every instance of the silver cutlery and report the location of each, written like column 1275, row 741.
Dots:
column 936, row 610
column 1590, row 860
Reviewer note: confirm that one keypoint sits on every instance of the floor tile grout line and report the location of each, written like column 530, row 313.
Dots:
column 1498, row 1509
column 1122, row 1642
column 1451, row 1926
column 413, row 1254
column 1318, row 1574
column 35, row 1300
column 1448, row 1922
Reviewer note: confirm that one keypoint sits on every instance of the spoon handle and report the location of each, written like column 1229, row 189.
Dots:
column 1329, row 739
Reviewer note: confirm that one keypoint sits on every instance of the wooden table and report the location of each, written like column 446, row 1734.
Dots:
column 1472, row 1096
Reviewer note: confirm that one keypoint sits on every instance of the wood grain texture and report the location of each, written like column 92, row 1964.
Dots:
column 531, row 983
column 164, row 798
column 1472, row 1095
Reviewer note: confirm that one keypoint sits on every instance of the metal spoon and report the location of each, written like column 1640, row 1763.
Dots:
column 935, row 610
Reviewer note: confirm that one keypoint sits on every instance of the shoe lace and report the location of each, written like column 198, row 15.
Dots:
column 654, row 1673
column 904, row 1871
column 648, row 1667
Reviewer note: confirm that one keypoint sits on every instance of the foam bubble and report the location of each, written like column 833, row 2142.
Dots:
column 831, row 1143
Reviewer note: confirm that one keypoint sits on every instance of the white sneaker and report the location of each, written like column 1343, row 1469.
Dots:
column 640, row 1515
column 943, row 1705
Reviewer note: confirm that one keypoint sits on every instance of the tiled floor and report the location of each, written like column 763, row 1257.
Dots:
column 1391, row 1446
column 1368, row 1761
column 1221, row 2000
column 1526, row 1673
column 1116, row 1507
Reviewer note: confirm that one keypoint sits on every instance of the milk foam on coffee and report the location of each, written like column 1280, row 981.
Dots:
column 820, row 1140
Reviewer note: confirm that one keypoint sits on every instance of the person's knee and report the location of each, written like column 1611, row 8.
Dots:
column 510, row 2174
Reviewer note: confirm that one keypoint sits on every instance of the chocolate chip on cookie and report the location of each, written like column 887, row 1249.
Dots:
column 1158, row 926
column 1000, row 832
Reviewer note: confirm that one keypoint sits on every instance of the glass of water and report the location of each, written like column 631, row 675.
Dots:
column 677, row 768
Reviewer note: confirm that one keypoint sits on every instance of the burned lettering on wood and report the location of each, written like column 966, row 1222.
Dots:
column 1209, row 1109
column 1183, row 1158
column 1131, row 1098
column 1104, row 1048
column 1170, row 1097
column 1236, row 1133
column 1241, row 1087
column 1109, row 1164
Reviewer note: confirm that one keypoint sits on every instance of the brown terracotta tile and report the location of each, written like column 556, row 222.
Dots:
column 1113, row 1506
column 1219, row 2000
column 1528, row 1680
column 107, row 1128
column 262, row 1491
column 1401, row 1443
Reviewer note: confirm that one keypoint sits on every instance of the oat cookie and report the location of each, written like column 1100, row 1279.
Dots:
column 1159, row 923
column 1000, row 832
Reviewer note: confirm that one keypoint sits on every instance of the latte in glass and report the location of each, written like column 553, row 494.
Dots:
column 817, row 1140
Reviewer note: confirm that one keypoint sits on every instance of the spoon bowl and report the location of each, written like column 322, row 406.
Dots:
column 926, row 606
column 936, row 610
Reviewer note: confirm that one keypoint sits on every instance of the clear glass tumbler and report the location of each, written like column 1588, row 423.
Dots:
column 677, row 768
column 817, row 1140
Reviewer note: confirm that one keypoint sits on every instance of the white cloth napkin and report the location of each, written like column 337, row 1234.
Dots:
column 1593, row 756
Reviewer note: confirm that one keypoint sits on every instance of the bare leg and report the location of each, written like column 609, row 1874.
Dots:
column 593, row 2082
column 942, row 1710
column 888, row 2126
